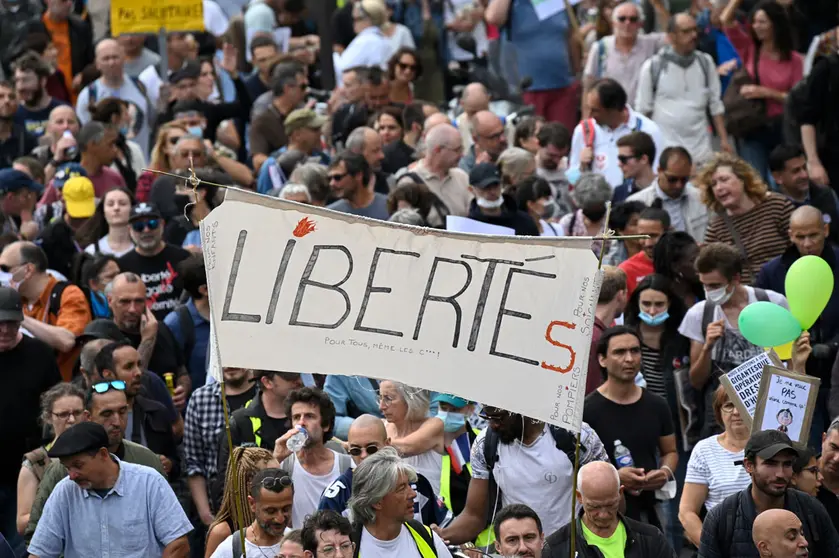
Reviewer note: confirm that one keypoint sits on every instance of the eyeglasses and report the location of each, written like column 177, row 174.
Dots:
column 103, row 387
column 492, row 415
column 385, row 400
column 276, row 484
column 729, row 407
column 496, row 136
column 677, row 179
column 814, row 470
column 64, row 415
column 624, row 159
column 194, row 153
column 355, row 451
column 403, row 66
column 630, row 19
column 140, row 226
column 337, row 177
column 345, row 549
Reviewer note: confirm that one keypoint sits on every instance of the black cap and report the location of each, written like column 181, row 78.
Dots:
column 766, row 444
column 190, row 70
column 186, row 106
column 101, row 328
column 79, row 438
column 484, row 175
column 11, row 306
column 144, row 211
column 13, row 180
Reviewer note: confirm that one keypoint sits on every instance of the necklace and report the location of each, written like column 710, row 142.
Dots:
column 256, row 542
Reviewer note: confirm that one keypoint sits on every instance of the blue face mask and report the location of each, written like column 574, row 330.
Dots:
column 572, row 175
column 656, row 320
column 196, row 131
column 452, row 422
column 124, row 130
column 99, row 304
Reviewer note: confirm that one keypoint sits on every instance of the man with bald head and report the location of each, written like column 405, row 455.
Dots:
column 779, row 534
column 602, row 525
column 489, row 140
column 110, row 61
column 54, row 311
column 368, row 435
column 808, row 233
column 473, row 100
column 59, row 149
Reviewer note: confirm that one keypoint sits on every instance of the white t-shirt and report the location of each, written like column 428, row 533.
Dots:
column 713, row 466
column 429, row 465
column 450, row 11
column 402, row 546
column 105, row 248
column 308, row 489
column 225, row 549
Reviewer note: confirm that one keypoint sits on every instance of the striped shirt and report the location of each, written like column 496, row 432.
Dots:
column 651, row 368
column 713, row 466
column 762, row 230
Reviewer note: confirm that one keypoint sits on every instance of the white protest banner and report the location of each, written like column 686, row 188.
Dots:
column 786, row 402
column 742, row 383
column 505, row 321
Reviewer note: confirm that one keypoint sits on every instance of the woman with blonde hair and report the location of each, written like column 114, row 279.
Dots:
column 515, row 164
column 748, row 216
column 167, row 138
column 248, row 460
column 370, row 46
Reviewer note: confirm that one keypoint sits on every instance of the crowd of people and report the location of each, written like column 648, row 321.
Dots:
column 703, row 131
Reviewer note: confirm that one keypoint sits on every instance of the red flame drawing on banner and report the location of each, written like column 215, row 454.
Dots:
column 304, row 227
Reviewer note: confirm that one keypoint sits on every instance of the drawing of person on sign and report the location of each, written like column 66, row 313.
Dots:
column 784, row 418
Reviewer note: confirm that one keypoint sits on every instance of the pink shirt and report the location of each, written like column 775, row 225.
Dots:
column 106, row 179
column 780, row 75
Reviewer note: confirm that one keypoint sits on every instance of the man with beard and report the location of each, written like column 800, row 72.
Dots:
column 107, row 406
column 768, row 458
column 777, row 534
column 31, row 74
column 504, row 459
column 314, row 467
column 554, row 145
column 203, row 426
column 154, row 342
column 14, row 141
column 601, row 528
column 143, row 516
column 367, row 142
column 147, row 422
column 829, row 466
column 154, row 260
column 270, row 498
column 60, row 149
column 351, row 182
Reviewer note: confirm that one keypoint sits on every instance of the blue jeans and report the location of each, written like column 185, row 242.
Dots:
column 8, row 519
column 756, row 149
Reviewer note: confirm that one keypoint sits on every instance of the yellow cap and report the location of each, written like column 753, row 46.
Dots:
column 79, row 197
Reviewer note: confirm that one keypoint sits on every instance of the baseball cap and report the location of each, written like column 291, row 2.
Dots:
column 453, row 400
column 186, row 107
column 65, row 172
column 766, row 444
column 11, row 306
column 484, row 175
column 303, row 118
column 79, row 197
column 101, row 328
column 13, row 180
column 144, row 211
column 79, row 438
column 190, row 70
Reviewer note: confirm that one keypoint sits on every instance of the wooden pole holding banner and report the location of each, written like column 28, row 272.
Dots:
column 163, row 49
column 572, row 553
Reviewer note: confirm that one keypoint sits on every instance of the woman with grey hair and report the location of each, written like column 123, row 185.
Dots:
column 591, row 193
column 515, row 164
column 381, row 508
column 408, row 216
column 314, row 177
column 418, row 437
column 293, row 192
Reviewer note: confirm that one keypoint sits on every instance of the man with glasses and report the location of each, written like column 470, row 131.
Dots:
column 828, row 493
column 636, row 153
column 489, row 139
column 368, row 435
column 29, row 369
column 270, row 498
column 153, row 259
column 107, row 405
column 326, row 534
column 678, row 196
column 107, row 505
column 351, row 180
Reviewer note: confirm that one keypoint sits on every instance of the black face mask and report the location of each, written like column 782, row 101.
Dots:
column 594, row 213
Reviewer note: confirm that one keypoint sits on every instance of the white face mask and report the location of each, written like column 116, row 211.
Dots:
column 489, row 204
column 718, row 296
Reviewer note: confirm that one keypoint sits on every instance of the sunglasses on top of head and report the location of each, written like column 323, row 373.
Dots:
column 103, row 387
column 140, row 226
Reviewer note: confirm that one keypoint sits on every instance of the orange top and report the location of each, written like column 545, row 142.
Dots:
column 73, row 315
column 60, row 33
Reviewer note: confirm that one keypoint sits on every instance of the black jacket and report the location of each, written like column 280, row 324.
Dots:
column 59, row 244
column 727, row 530
column 642, row 541
column 155, row 422
column 81, row 41
column 510, row 217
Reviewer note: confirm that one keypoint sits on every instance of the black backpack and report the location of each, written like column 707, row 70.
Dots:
column 797, row 99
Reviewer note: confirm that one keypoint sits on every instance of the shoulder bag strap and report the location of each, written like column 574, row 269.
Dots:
column 735, row 235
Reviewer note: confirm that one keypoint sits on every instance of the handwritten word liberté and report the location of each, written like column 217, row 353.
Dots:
column 306, row 283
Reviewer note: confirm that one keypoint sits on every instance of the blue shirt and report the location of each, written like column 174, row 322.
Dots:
column 138, row 517
column 197, row 360
column 265, row 183
column 353, row 396
column 541, row 46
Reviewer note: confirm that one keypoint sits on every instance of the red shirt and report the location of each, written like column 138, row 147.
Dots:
column 636, row 268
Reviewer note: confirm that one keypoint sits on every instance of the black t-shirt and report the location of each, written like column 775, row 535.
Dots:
column 35, row 121
column 638, row 426
column 235, row 402
column 26, row 372
column 831, row 503
column 167, row 355
column 158, row 273
column 398, row 155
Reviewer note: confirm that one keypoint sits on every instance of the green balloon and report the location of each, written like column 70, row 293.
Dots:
column 809, row 284
column 767, row 324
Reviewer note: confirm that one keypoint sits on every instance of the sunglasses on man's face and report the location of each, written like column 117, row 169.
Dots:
column 630, row 19
column 677, row 179
column 337, row 177
column 624, row 159
column 140, row 226
column 103, row 387
column 355, row 451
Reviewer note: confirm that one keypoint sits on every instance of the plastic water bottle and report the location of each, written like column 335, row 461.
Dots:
column 298, row 440
column 622, row 456
column 71, row 152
